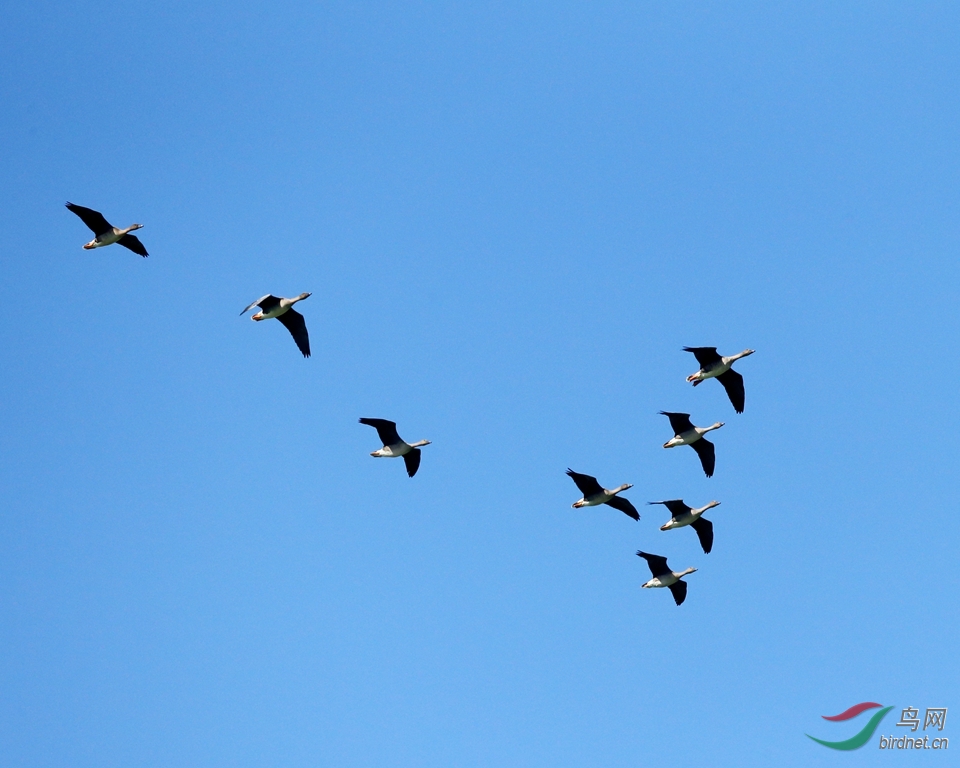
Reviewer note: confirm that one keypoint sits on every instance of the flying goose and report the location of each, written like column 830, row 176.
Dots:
column 393, row 446
column 684, row 515
column 687, row 434
column 282, row 309
column 664, row 577
column 594, row 494
column 106, row 233
column 712, row 366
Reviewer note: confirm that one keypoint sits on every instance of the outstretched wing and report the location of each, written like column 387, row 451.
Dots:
column 624, row 506
column 705, row 355
column 386, row 429
column 708, row 457
column 679, row 422
column 704, row 529
column 134, row 244
column 733, row 383
column 293, row 321
column 412, row 460
column 264, row 302
column 676, row 506
column 658, row 564
column 588, row 485
column 93, row 219
column 679, row 591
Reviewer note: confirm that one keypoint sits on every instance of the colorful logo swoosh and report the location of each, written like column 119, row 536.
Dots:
column 857, row 741
column 855, row 710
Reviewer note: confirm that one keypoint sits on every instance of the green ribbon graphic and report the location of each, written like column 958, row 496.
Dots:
column 855, row 742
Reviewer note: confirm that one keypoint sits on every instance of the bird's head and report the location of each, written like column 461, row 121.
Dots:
column 303, row 296
column 136, row 226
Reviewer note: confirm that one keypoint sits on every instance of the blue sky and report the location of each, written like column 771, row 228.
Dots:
column 512, row 217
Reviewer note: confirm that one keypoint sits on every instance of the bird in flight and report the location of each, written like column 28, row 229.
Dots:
column 106, row 233
column 713, row 366
column 664, row 577
column 595, row 494
column 683, row 515
column 687, row 434
column 393, row 446
column 282, row 309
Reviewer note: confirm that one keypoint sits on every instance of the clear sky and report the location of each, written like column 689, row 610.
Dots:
column 512, row 217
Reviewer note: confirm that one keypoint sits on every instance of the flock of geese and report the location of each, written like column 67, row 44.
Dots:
column 712, row 366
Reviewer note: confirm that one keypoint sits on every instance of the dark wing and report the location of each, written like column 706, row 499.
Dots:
column 293, row 321
column 679, row 422
column 676, row 506
column 386, row 429
column 704, row 529
column 705, row 355
column 268, row 302
column 412, row 460
column 588, row 485
column 624, row 506
column 93, row 219
column 679, row 590
column 708, row 457
column 658, row 565
column 134, row 244
column 733, row 383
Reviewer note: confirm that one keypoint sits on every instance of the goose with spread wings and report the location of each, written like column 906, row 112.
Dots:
column 393, row 446
column 282, row 309
column 595, row 494
column 714, row 366
column 105, row 233
column 664, row 577
column 683, row 515
column 687, row 434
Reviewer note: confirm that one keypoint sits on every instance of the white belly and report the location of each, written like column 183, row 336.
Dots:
column 275, row 312
column 597, row 500
column 715, row 370
column 395, row 451
column 662, row 581
column 108, row 238
column 678, row 522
